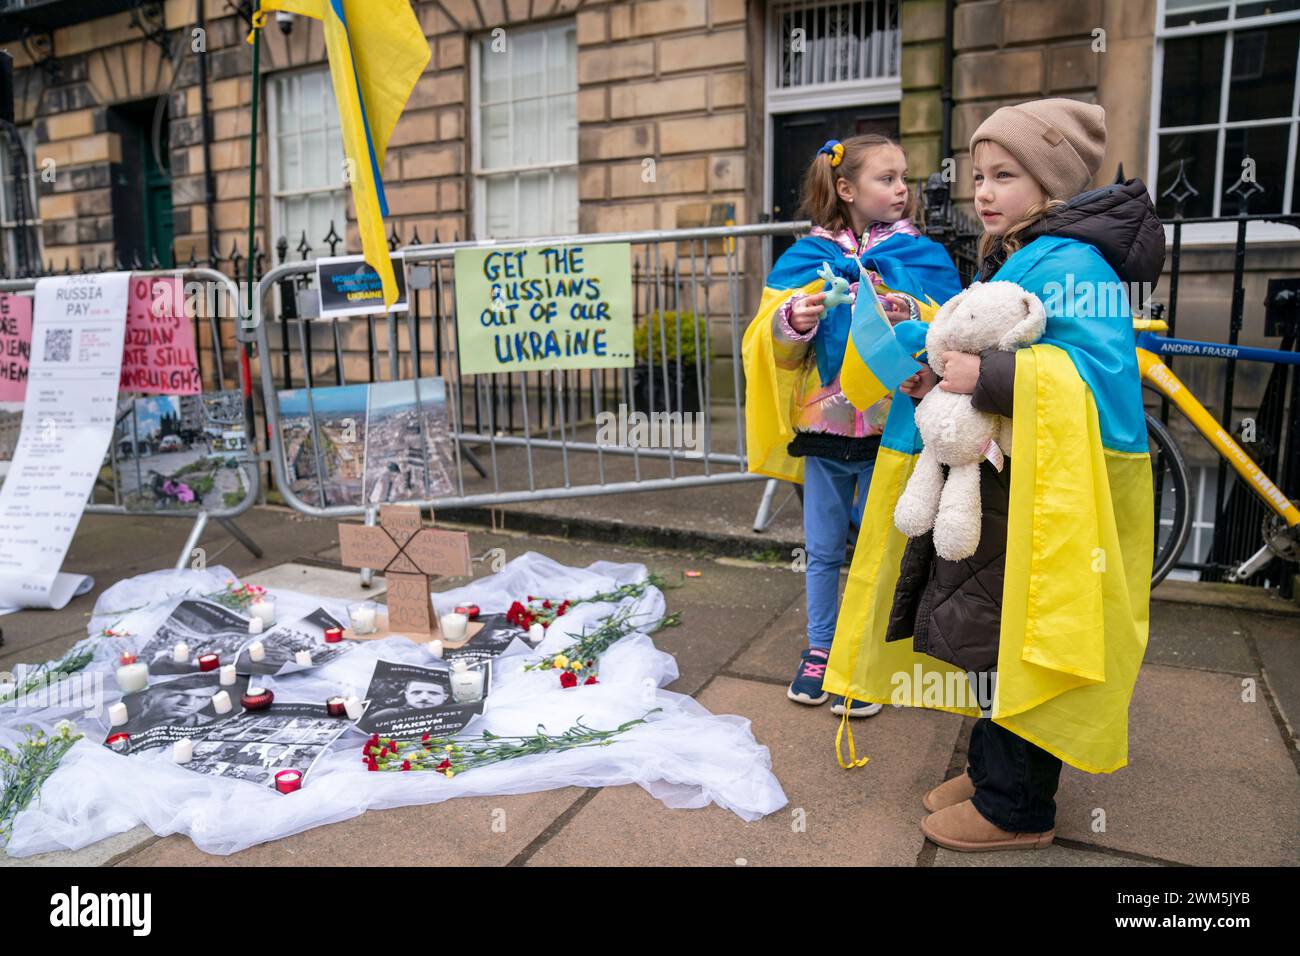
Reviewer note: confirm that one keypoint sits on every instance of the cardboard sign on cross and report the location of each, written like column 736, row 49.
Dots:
column 406, row 553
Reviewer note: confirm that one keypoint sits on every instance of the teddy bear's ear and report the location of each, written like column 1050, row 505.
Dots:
column 1029, row 329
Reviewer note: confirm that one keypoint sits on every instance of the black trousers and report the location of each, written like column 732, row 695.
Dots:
column 1015, row 781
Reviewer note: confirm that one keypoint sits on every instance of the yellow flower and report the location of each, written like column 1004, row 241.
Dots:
column 447, row 748
column 560, row 661
column 576, row 665
column 450, row 773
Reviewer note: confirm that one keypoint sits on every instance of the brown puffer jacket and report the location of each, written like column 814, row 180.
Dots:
column 952, row 610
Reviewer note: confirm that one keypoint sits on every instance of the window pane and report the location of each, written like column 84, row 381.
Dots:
column 534, row 215
column 1193, row 77
column 290, row 162
column 1270, row 6
column 495, row 133
column 566, row 201
column 562, row 128
column 494, row 70
column 532, row 136
column 562, row 54
column 1179, row 13
column 1198, row 150
column 1267, row 146
column 527, row 66
column 499, row 216
column 1263, row 73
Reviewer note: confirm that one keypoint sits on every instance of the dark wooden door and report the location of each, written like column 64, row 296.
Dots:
column 796, row 137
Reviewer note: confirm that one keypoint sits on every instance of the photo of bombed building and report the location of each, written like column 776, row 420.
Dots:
column 373, row 444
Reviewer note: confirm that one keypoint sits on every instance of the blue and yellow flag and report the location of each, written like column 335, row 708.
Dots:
column 850, row 342
column 1076, row 593
column 377, row 51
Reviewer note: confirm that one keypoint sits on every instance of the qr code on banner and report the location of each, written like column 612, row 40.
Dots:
column 58, row 345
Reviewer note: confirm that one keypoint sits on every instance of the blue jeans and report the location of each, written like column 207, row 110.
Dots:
column 834, row 493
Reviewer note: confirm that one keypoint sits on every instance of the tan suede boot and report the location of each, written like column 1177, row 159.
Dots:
column 963, row 828
column 949, row 793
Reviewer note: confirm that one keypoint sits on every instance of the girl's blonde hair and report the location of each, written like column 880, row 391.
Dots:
column 818, row 199
column 1011, row 240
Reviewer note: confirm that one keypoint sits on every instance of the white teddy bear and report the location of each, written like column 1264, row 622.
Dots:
column 988, row 315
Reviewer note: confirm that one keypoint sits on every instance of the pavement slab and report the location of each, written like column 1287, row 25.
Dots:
column 1210, row 781
column 868, row 816
column 469, row 831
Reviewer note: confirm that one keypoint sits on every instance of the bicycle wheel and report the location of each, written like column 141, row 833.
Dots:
column 1172, row 499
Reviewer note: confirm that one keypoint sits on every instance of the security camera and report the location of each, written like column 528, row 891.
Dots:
column 284, row 21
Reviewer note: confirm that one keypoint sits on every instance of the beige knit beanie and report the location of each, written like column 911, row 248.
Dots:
column 1059, row 142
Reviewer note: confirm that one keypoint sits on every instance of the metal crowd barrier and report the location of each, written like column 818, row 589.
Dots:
column 215, row 283
column 521, row 432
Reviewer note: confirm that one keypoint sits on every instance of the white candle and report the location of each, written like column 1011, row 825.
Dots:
column 221, row 702
column 362, row 617
column 264, row 608
column 183, row 751
column 453, row 626
column 354, row 708
column 181, row 652
column 536, row 632
column 132, row 675
column 435, row 648
column 466, row 684
column 255, row 625
column 302, row 658
column 227, row 675
column 256, row 651
column 117, row 714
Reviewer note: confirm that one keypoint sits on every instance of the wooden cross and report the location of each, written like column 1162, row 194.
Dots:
column 406, row 553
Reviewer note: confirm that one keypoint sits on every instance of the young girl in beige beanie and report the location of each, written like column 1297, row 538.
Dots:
column 1047, row 624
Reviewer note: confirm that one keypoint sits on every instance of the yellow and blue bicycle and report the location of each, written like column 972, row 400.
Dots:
column 1281, row 527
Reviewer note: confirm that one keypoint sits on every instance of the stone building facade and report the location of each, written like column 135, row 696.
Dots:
column 601, row 115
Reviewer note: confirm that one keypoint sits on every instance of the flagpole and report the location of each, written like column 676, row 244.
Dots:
column 246, row 352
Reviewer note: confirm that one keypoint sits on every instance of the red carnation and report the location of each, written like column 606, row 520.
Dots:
column 406, row 765
column 546, row 604
column 568, row 679
column 443, row 767
column 425, row 738
column 374, row 738
column 383, row 752
column 590, row 680
column 392, row 745
column 373, row 764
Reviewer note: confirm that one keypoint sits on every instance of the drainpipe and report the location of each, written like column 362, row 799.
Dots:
column 209, row 184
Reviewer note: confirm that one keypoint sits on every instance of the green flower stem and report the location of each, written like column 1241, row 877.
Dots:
column 488, row 748
column 22, row 774
column 591, row 645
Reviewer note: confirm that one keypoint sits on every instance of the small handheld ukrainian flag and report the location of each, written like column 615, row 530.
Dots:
column 377, row 51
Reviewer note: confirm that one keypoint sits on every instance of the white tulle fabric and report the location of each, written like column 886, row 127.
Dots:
column 684, row 755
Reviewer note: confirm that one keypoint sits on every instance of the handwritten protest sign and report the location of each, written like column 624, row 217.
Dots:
column 15, row 345
column 544, row 307
column 159, row 357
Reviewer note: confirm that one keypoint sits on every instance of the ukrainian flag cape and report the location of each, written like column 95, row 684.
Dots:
column 377, row 51
column 846, row 343
column 1075, row 599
